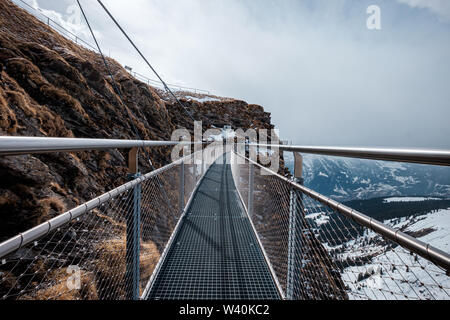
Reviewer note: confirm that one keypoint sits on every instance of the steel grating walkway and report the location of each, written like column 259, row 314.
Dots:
column 215, row 254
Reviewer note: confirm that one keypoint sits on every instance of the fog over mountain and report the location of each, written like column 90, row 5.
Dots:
column 326, row 78
column 347, row 179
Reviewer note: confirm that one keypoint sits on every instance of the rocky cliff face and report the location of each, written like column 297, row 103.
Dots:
column 49, row 86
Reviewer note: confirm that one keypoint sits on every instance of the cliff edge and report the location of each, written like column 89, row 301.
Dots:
column 50, row 86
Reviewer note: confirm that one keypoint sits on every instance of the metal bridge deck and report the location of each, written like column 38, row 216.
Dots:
column 215, row 254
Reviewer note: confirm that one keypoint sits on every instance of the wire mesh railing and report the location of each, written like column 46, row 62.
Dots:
column 107, row 248
column 316, row 252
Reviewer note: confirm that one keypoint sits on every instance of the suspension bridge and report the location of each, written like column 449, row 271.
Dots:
column 212, row 227
column 220, row 226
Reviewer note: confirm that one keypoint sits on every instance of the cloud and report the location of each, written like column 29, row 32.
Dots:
column 313, row 64
column 70, row 19
column 438, row 7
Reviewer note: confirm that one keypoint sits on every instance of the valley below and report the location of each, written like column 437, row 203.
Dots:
column 345, row 179
column 376, row 268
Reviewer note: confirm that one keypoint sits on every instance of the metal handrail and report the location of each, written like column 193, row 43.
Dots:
column 175, row 86
column 425, row 250
column 422, row 156
column 17, row 145
column 44, row 228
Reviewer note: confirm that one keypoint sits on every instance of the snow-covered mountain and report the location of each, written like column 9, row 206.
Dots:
column 372, row 267
column 347, row 179
column 392, row 272
column 412, row 198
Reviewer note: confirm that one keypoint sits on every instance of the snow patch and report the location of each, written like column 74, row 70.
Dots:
column 392, row 273
column 340, row 190
column 408, row 199
column 319, row 218
column 321, row 174
column 204, row 99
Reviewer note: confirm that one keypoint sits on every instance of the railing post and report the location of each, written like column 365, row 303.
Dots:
column 181, row 200
column 203, row 163
column 133, row 231
column 251, row 180
column 295, row 234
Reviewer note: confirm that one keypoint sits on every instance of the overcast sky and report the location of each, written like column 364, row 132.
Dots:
column 325, row 77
